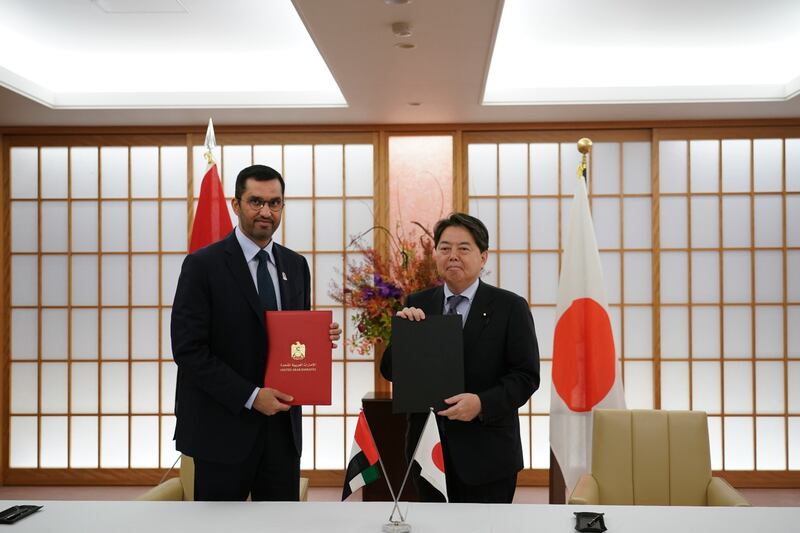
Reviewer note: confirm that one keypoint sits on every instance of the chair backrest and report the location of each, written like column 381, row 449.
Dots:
column 651, row 457
column 187, row 478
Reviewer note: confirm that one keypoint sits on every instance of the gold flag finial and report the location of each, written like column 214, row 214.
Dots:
column 210, row 143
column 584, row 147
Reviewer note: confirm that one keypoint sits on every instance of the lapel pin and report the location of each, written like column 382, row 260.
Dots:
column 283, row 275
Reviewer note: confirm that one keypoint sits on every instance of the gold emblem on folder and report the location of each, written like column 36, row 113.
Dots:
column 298, row 351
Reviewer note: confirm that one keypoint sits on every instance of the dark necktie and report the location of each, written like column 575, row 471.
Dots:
column 453, row 302
column 266, row 290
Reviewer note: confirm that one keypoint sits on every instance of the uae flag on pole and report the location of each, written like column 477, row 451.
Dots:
column 363, row 466
column 586, row 372
column 212, row 221
column 429, row 456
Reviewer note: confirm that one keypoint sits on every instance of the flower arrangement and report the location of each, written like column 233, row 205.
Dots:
column 378, row 285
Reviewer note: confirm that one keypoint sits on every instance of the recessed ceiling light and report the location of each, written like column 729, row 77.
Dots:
column 401, row 29
column 415, row 104
column 397, row 2
column 405, row 46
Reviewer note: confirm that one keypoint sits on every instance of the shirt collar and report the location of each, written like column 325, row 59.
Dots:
column 250, row 248
column 468, row 293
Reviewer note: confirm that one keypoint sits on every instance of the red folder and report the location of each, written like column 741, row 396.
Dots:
column 299, row 355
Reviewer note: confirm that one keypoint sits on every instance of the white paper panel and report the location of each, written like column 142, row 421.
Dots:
column 674, row 217
column 54, row 172
column 706, row 387
column 489, row 271
column 115, row 334
column 144, row 335
column 544, row 318
column 736, row 277
column 736, row 221
column 144, row 388
column 23, row 446
column 55, row 233
column 144, row 226
column 166, row 339
column 544, row 278
column 525, row 435
column 54, row 280
column 144, row 442
column 486, row 210
column 570, row 159
column 114, row 388
column 769, row 331
column 792, row 220
column 638, row 385
column 236, row 158
column 115, row 280
column 24, row 172
column 793, row 277
column 84, row 387
column 769, row 221
column 738, row 443
column 638, row 277
column 297, row 170
column 114, row 442
column 54, row 333
column 705, row 222
column 24, row 227
column 337, row 392
column 174, row 235
column 54, row 388
column 338, row 353
column 359, row 169
column 615, row 315
column 513, row 160
column 605, row 214
column 358, row 220
column 328, row 169
column 84, row 226
column 736, row 165
column 482, row 165
column 767, row 164
column 705, row 332
column 24, row 334
column 330, row 430
column 737, row 332
column 84, row 280
column 144, row 279
column 307, row 458
column 327, row 266
column 769, row 387
column 200, row 165
column 169, row 376
column 715, row 441
column 636, row 164
column 770, row 444
column 24, row 388
column 544, row 224
column 170, row 271
column 638, row 336
column 738, row 387
column 672, row 166
column 84, row 171
column 674, row 385
column 173, row 172
column 674, row 332
column 792, row 149
column 270, row 155
column 114, row 172
column 83, row 442
column 297, row 225
column 144, row 172
column 54, row 442
column 115, row 226
column 514, row 273
column 611, row 263
column 24, row 280
column 769, row 276
column 328, row 225
column 360, row 379
column 705, row 166
column 169, row 455
column 674, row 279
column 540, row 427
column 793, row 377
column 637, row 226
column 544, row 169
column 513, row 226
column 705, row 277
column 605, row 172
column 566, row 205
column 84, row 333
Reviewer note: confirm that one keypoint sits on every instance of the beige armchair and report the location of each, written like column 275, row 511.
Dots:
column 643, row 457
column 181, row 488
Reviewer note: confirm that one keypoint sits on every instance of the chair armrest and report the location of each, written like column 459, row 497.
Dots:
column 170, row 490
column 303, row 489
column 721, row 493
column 586, row 492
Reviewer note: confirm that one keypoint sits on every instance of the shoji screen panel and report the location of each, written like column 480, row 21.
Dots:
column 521, row 186
column 730, row 299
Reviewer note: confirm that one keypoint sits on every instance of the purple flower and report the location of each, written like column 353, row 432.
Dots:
column 386, row 289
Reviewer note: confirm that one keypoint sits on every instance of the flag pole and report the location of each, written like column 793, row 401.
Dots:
column 408, row 471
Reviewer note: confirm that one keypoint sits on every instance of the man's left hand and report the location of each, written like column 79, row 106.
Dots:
column 464, row 407
column 335, row 332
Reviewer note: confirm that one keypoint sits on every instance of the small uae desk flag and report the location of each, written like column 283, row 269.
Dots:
column 586, row 372
column 362, row 469
column 212, row 221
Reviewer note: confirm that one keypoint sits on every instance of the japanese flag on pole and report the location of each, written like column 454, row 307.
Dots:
column 586, row 372
column 429, row 455
column 212, row 221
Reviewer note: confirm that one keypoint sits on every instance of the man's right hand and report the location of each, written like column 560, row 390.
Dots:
column 413, row 314
column 270, row 401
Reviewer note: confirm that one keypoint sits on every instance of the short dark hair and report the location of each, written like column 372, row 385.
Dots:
column 469, row 223
column 258, row 173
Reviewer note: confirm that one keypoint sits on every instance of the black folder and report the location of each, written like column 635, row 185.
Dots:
column 427, row 362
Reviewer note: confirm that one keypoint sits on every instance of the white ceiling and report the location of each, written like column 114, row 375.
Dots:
column 743, row 45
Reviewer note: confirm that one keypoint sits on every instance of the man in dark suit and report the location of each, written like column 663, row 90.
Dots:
column 480, row 428
column 244, row 439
